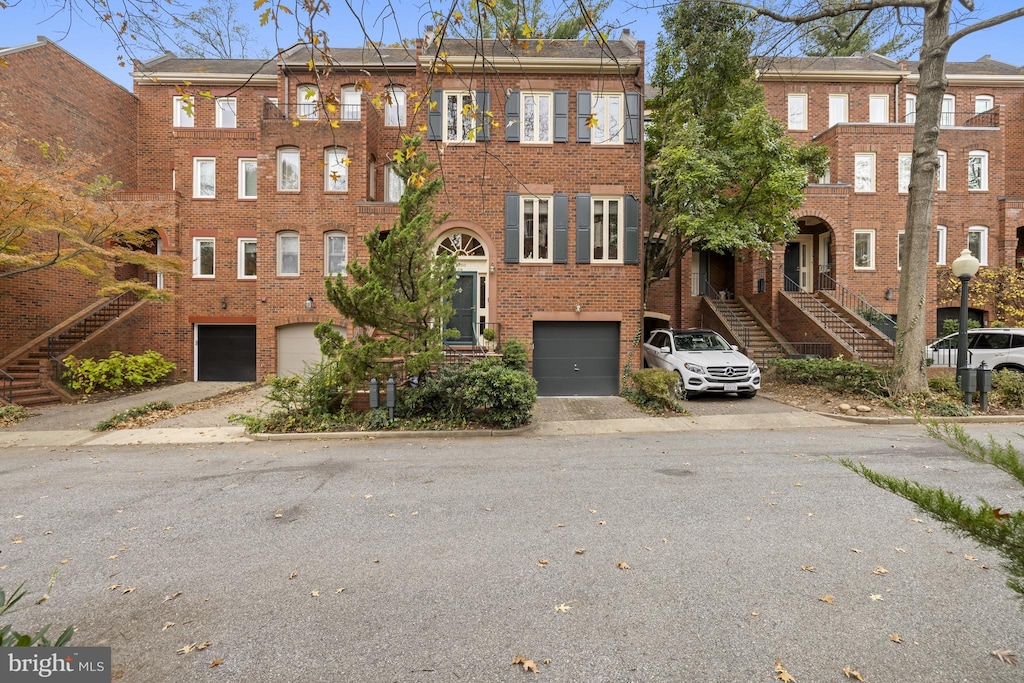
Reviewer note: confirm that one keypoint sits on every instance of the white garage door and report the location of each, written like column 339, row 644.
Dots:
column 297, row 347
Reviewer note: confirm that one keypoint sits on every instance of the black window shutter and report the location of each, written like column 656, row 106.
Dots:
column 561, row 213
column 434, row 112
column 632, row 117
column 631, row 249
column 483, row 121
column 511, row 227
column 582, row 116
column 512, row 116
column 583, row 228
column 561, row 130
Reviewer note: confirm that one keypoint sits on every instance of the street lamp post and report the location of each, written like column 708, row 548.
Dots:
column 964, row 268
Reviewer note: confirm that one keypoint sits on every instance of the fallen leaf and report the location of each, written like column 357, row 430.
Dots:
column 852, row 673
column 929, row 531
column 168, row 528
column 17, row 540
column 113, row 587
column 999, row 515
column 543, row 562
column 203, row 645
column 128, row 589
column 623, row 565
column 293, row 575
column 877, row 597
column 64, row 561
column 879, row 570
column 580, row 551
column 559, row 526
column 340, row 590
column 895, row 637
column 827, row 598
column 368, row 495
column 781, row 674
column 809, row 514
column 563, row 607
column 647, row 547
column 602, row 523
column 1005, row 656
column 172, row 596
column 970, row 558
column 50, row 533
column 185, row 649
column 43, row 599
column 528, row 664
column 916, row 520
column 854, row 550
column 112, row 557
column 754, row 614
column 593, row 512
column 314, row 594
column 900, row 550
column 547, row 660
column 278, row 513
column 413, row 514
column 167, row 625
column 807, row 568
column 216, row 662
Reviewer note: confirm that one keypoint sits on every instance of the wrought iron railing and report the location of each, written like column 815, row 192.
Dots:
column 6, row 386
column 58, row 344
column 760, row 280
column 944, row 358
column 883, row 322
column 968, row 118
column 828, row 318
column 311, row 111
column 739, row 328
column 60, row 373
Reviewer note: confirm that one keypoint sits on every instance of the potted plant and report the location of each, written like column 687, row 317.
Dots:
column 489, row 336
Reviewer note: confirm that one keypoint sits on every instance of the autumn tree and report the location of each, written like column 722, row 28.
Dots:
column 403, row 290
column 55, row 213
column 723, row 173
column 937, row 37
column 214, row 30
column 998, row 288
column 855, row 32
column 524, row 19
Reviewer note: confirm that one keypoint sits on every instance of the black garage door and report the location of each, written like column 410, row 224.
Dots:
column 226, row 353
column 576, row 358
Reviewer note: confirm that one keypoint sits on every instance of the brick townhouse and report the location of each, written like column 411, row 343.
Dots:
column 848, row 250
column 270, row 176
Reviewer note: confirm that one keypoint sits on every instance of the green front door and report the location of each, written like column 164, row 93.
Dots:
column 464, row 303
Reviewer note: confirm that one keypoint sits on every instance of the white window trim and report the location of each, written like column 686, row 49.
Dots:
column 537, row 95
column 910, row 108
column 351, row 111
column 983, row 155
column 343, row 174
column 899, row 164
column 460, row 118
column 800, row 99
column 982, row 243
column 327, row 253
column 196, row 246
column 307, row 108
column 871, row 251
column 878, row 97
column 615, row 138
column 523, row 258
column 242, row 161
column 864, row 155
column 900, row 240
column 298, row 164
column 604, row 246
column 947, row 114
column 940, row 172
column 990, row 100
column 397, row 104
column 837, row 97
column 392, row 179
column 242, row 241
column 180, row 118
column 219, row 102
column 940, row 242
column 280, row 253
column 197, row 162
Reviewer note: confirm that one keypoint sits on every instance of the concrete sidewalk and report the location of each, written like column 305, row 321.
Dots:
column 71, row 425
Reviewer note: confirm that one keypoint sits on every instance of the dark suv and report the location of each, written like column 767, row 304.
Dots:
column 1002, row 348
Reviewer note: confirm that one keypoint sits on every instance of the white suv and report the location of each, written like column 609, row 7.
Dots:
column 704, row 361
column 1002, row 348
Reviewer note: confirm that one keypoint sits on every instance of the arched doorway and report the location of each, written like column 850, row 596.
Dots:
column 808, row 262
column 472, row 291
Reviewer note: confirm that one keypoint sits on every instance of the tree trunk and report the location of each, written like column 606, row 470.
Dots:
column 919, row 231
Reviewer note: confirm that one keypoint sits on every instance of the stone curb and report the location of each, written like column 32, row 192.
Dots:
column 905, row 419
column 411, row 434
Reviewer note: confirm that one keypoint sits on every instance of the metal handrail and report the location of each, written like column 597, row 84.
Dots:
column 59, row 372
column 739, row 326
column 830, row 318
column 58, row 344
column 7, row 382
column 882, row 322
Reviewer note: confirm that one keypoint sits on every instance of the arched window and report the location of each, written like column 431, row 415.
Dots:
column 335, row 169
column 461, row 244
column 307, row 100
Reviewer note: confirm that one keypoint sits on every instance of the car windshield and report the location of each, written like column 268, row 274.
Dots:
column 700, row 341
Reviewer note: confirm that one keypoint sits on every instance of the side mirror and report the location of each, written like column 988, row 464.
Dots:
column 734, row 347
column 665, row 349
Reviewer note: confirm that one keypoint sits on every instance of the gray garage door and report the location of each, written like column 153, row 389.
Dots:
column 297, row 348
column 226, row 353
column 576, row 358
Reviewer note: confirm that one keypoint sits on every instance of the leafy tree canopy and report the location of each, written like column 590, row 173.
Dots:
column 856, row 32
column 522, row 19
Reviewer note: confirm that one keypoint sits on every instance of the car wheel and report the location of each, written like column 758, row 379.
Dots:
column 747, row 394
column 681, row 392
column 1011, row 368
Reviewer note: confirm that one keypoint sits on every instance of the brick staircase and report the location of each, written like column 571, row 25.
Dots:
column 845, row 326
column 749, row 332
column 26, row 375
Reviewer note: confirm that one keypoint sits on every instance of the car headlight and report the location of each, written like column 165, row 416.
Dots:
column 753, row 368
column 693, row 367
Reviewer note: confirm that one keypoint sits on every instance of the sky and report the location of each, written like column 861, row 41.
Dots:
column 94, row 45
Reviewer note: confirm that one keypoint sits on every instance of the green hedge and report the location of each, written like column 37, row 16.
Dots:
column 117, row 371
column 835, row 374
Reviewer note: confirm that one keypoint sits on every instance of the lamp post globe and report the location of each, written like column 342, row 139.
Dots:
column 964, row 268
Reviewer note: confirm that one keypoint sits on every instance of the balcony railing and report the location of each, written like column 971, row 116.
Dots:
column 966, row 119
column 311, row 111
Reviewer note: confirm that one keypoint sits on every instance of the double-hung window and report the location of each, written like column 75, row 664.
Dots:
column 940, row 172
column 204, row 177
column 797, row 111
column 838, row 109
column 977, row 170
column 864, row 172
column 307, row 102
column 247, row 258
column 977, row 242
column 535, row 229
column 204, row 251
column 288, row 253
column 394, row 186
column 184, row 112
column 335, row 252
column 336, row 169
column 351, row 99
column 226, row 112
column 394, row 106
column 459, row 117
column 940, row 245
column 606, row 229
column 288, row 169
column 606, row 113
column 247, row 178
column 535, row 117
column 948, row 115
column 899, row 249
column 878, row 109
column 863, row 249
column 910, row 109
column 903, row 172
